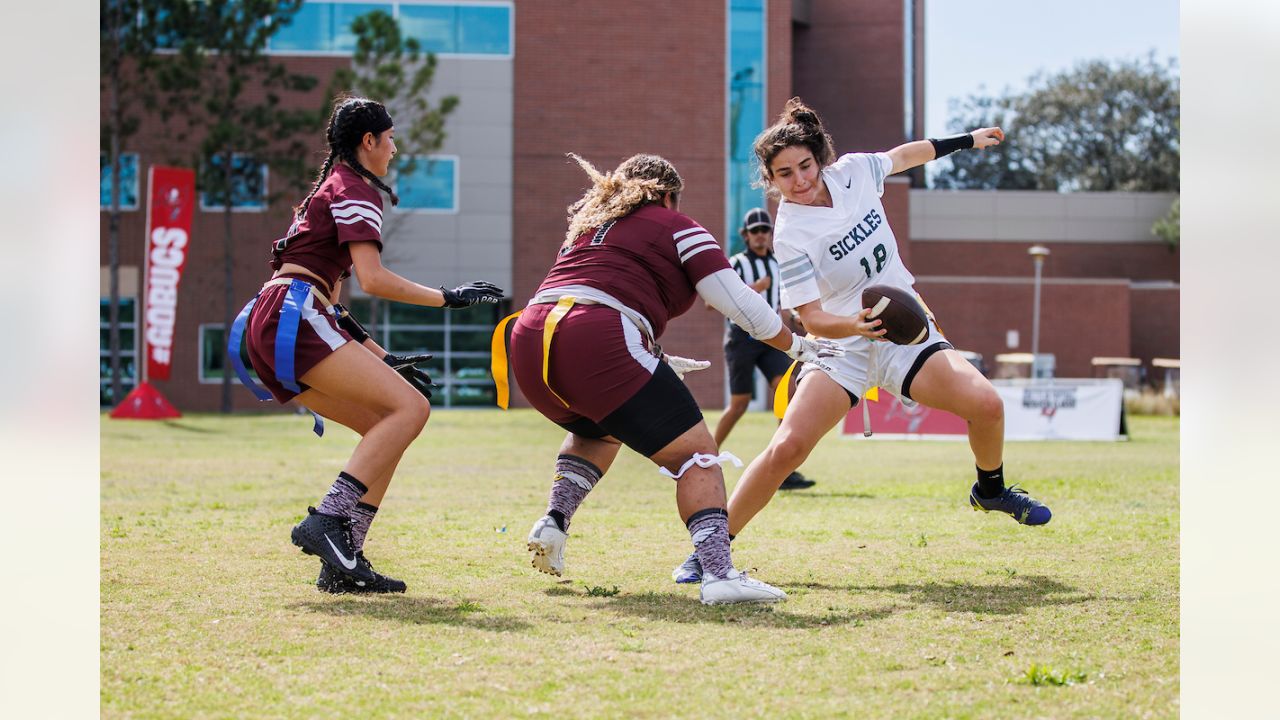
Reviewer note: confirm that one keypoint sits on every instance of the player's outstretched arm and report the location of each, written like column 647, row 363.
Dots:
column 919, row 152
column 376, row 279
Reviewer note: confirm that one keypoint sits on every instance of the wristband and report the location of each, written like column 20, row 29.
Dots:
column 348, row 322
column 950, row 144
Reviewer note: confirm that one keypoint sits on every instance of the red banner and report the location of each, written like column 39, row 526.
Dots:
column 890, row 419
column 170, row 204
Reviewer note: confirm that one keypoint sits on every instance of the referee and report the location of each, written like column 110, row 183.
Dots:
column 743, row 354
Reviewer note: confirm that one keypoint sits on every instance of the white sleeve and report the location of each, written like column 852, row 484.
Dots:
column 725, row 291
column 865, row 166
column 799, row 278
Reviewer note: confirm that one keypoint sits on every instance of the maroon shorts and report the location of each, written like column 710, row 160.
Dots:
column 599, row 359
column 318, row 336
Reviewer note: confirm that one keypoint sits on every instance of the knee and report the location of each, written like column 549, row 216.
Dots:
column 738, row 403
column 788, row 452
column 989, row 408
column 417, row 410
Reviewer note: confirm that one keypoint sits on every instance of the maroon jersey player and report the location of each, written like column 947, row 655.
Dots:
column 299, row 339
column 585, row 354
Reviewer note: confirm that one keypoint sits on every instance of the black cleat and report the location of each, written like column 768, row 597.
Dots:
column 328, row 537
column 796, row 481
column 339, row 584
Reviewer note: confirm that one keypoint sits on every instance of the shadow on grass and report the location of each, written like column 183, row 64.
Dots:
column 680, row 608
column 415, row 611
column 192, row 428
column 1008, row 598
column 831, row 494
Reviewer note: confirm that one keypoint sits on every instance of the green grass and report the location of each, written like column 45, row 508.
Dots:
column 903, row 602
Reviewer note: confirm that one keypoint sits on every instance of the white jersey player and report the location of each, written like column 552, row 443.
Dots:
column 832, row 240
column 830, row 254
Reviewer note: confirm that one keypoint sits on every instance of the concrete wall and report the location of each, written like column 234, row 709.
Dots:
column 473, row 243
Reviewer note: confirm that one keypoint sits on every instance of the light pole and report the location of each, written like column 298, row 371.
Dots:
column 1038, row 253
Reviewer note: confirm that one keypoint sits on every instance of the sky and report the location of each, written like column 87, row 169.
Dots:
column 968, row 46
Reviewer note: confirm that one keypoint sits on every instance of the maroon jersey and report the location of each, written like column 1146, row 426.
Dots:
column 345, row 209
column 650, row 260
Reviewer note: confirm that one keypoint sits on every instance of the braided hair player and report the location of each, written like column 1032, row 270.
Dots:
column 832, row 239
column 307, row 348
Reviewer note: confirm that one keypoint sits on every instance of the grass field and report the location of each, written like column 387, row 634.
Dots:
column 903, row 602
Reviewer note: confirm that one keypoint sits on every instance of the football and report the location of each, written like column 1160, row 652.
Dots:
column 901, row 315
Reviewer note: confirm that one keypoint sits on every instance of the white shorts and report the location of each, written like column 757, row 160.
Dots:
column 868, row 364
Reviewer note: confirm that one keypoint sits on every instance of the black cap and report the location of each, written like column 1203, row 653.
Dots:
column 757, row 217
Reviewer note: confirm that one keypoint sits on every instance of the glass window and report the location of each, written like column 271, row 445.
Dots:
column 441, row 28
column 459, row 339
column 484, row 30
column 128, row 181
column 432, row 25
column 248, row 184
column 213, row 344
column 430, row 183
column 746, row 75
column 323, row 27
column 128, row 349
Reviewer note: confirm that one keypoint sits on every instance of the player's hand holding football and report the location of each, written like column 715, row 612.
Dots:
column 470, row 294
column 404, row 364
column 683, row 365
column 987, row 137
column 865, row 327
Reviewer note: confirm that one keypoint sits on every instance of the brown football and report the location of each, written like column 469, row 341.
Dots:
column 900, row 313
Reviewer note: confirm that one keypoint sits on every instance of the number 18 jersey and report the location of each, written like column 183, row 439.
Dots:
column 832, row 253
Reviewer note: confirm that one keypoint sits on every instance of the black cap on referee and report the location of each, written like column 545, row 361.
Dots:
column 757, row 217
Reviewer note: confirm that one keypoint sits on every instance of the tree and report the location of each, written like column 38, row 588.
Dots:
column 127, row 32
column 1169, row 227
column 393, row 70
column 1099, row 126
column 229, row 91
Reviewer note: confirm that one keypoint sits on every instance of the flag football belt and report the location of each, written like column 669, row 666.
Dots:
column 286, row 338
column 782, row 395
column 582, row 295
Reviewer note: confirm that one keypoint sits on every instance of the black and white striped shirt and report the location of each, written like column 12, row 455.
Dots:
column 751, row 267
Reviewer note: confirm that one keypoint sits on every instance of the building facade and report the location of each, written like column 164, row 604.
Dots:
column 694, row 82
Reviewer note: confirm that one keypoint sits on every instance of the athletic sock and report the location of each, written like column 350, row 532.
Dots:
column 709, row 529
column 362, row 517
column 574, row 478
column 990, row 482
column 342, row 496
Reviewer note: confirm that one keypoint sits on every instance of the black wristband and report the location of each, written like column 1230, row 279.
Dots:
column 348, row 322
column 950, row 144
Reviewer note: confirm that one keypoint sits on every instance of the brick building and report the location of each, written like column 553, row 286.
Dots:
column 694, row 82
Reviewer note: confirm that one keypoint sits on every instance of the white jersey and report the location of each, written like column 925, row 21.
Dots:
column 832, row 253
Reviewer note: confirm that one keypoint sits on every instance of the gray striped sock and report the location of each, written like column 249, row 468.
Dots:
column 575, row 477
column 342, row 496
column 709, row 530
column 362, row 515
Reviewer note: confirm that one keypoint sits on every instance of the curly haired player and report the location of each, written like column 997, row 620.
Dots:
column 585, row 355
column 299, row 339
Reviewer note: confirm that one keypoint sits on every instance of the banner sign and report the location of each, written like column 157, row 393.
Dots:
column 1053, row 409
column 892, row 420
column 1062, row 409
column 170, row 204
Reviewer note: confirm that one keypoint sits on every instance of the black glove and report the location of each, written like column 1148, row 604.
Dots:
column 404, row 364
column 348, row 322
column 470, row 294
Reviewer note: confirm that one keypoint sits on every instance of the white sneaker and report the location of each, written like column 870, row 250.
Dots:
column 737, row 588
column 546, row 542
column 689, row 571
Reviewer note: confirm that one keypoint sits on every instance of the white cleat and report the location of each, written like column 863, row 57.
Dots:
column 546, row 542
column 737, row 588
